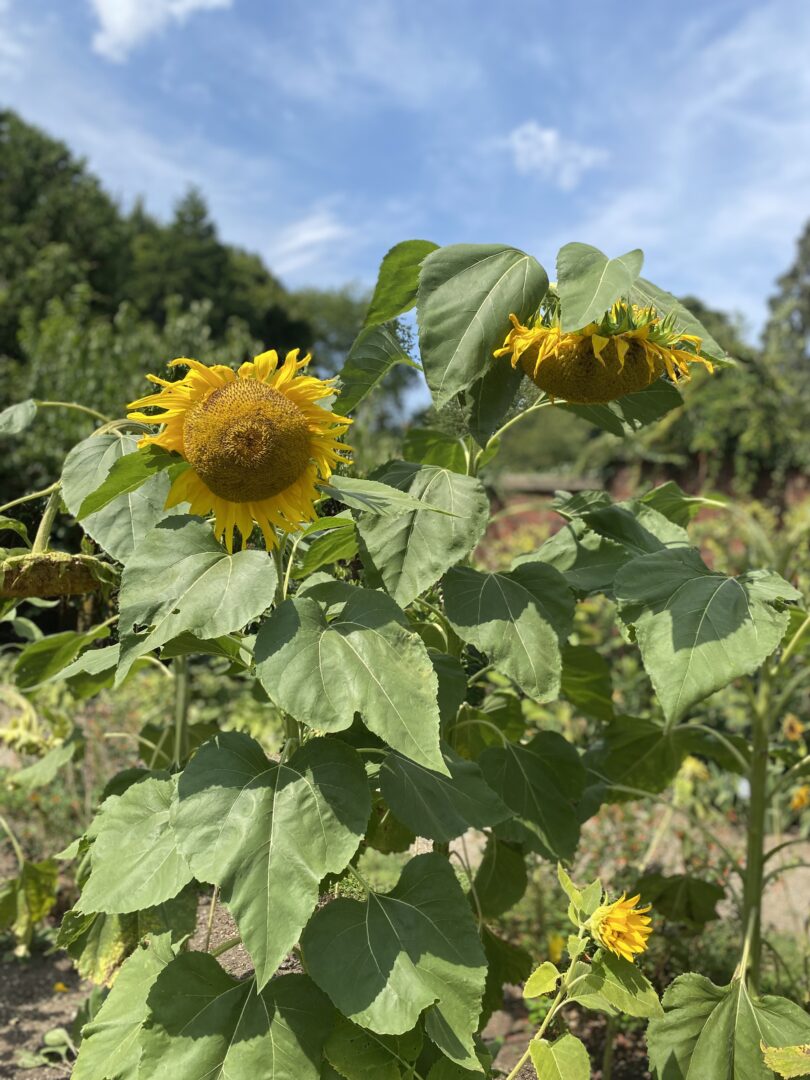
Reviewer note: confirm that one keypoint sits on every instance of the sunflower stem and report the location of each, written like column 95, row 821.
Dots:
column 607, row 1055
column 209, row 926
column 30, row 498
column 755, row 853
column 18, row 852
column 181, row 703
column 72, row 405
column 43, row 535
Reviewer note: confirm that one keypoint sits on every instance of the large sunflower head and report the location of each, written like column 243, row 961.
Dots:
column 621, row 927
column 256, row 441
column 624, row 352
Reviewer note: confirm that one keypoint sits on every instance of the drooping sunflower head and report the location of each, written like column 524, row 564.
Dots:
column 622, row 927
column 624, row 352
column 256, row 441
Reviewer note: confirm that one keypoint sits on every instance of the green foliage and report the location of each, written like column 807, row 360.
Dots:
column 396, row 686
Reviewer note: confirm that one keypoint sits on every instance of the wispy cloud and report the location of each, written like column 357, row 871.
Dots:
column 301, row 244
column 544, row 152
column 124, row 24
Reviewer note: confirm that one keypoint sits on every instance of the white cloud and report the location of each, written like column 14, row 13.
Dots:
column 306, row 241
column 13, row 51
column 545, row 152
column 127, row 23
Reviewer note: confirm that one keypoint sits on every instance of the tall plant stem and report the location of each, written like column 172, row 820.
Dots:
column 30, row 497
column 209, row 926
column 755, row 853
column 18, row 852
column 72, row 405
column 610, row 1040
column 181, row 703
column 43, row 535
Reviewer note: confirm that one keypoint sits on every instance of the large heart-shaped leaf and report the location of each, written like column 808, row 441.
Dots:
column 466, row 295
column 588, row 282
column 360, row 1054
column 323, row 665
column 519, row 619
column 681, row 897
column 501, row 878
column 588, row 562
column 127, row 474
column 586, row 681
column 110, row 1046
column 134, row 859
column 385, row 960
column 439, row 806
column 124, row 521
column 697, row 629
column 611, row 982
column 716, row 1031
column 204, row 1024
column 268, row 833
column 398, row 280
column 645, row 294
column 179, row 579
column 412, row 551
column 541, row 783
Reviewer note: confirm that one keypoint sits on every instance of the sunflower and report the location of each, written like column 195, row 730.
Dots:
column 627, row 350
column 800, row 799
column 255, row 439
column 622, row 927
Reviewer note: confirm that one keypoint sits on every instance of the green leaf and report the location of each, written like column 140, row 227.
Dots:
column 506, row 963
column 328, row 548
column 541, row 783
column 359, row 1054
column 614, row 983
column 630, row 413
column 124, row 521
column 427, row 447
column 543, row 980
column 374, row 497
column 374, row 353
column 135, row 862
column 681, row 897
column 787, row 1061
column 436, row 805
column 501, row 879
column 412, row 551
column 586, row 681
column 519, row 619
column 8, row 524
column 640, row 753
column 127, row 474
column 697, row 629
column 715, row 1031
column 646, row 294
column 27, row 898
column 268, row 833
column 180, row 579
column 564, row 1059
column 109, row 1047
column 398, row 280
column 668, row 499
column 452, row 684
column 204, row 1024
column 486, row 403
column 466, row 294
column 94, row 670
column 588, row 282
column 411, row 949
column 16, row 418
column 47, row 657
column 46, row 769
column 639, row 529
column 587, row 561
column 322, row 667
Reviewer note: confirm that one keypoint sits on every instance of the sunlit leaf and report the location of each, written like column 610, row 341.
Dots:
column 588, row 282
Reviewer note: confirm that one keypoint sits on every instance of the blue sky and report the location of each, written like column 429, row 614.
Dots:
column 323, row 132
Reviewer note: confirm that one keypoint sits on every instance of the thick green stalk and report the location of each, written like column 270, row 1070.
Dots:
column 755, row 853
column 181, row 702
column 43, row 535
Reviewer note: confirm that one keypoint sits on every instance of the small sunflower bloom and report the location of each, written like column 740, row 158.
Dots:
column 801, row 798
column 625, row 352
column 256, row 440
column 792, row 728
column 622, row 927
column 555, row 944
